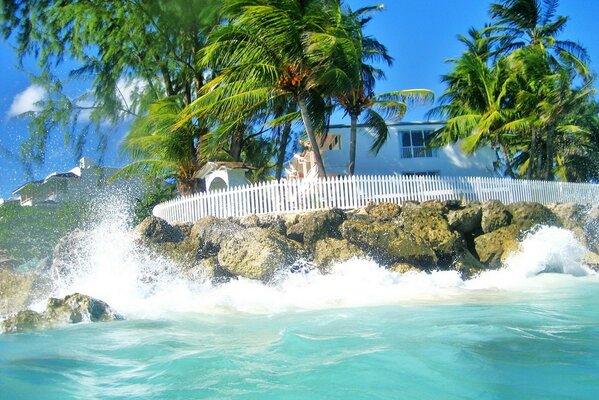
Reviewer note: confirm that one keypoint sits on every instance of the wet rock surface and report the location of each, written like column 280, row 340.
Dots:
column 72, row 309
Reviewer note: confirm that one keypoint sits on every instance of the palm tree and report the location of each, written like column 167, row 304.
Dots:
column 360, row 98
column 478, row 100
column 270, row 50
column 532, row 23
column 158, row 150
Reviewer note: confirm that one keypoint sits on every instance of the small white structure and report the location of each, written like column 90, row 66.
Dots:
column 404, row 153
column 223, row 175
column 81, row 182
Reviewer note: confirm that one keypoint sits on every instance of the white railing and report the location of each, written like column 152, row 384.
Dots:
column 298, row 195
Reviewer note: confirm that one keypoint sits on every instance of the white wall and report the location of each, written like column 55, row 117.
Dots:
column 448, row 161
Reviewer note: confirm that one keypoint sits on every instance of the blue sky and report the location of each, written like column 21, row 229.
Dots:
column 420, row 35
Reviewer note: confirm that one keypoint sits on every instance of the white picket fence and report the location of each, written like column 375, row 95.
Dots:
column 288, row 196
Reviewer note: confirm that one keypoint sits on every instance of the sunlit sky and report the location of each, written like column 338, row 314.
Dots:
column 420, row 36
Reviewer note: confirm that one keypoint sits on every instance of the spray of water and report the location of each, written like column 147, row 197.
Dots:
column 115, row 267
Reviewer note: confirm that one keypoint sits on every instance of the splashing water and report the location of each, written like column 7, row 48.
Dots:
column 118, row 270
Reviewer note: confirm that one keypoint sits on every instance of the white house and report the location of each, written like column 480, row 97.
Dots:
column 404, row 153
column 80, row 183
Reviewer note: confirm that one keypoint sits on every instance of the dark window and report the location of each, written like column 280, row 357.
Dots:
column 414, row 143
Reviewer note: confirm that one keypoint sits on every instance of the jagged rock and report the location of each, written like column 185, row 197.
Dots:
column 256, row 253
column 404, row 267
column 467, row 265
column 329, row 251
column 494, row 247
column 157, row 230
column 6, row 261
column 427, row 224
column 23, row 321
column 570, row 215
column 249, row 221
column 527, row 215
column 494, row 216
column 467, row 220
column 77, row 308
column 384, row 211
column 72, row 309
column 387, row 243
column 210, row 233
column 15, row 289
column 317, row 225
column 591, row 260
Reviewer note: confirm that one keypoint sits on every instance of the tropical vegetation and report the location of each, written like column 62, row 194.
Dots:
column 526, row 93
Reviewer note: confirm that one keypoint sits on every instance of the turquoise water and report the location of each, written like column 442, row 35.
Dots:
column 541, row 341
column 360, row 332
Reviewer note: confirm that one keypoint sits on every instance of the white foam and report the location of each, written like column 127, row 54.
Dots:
column 137, row 284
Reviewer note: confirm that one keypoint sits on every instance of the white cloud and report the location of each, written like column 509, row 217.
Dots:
column 26, row 101
column 128, row 90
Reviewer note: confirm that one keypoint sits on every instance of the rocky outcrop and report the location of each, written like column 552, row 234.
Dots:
column 494, row 247
column 467, row 220
column 210, row 233
column 494, row 216
column 314, row 226
column 15, row 290
column 384, row 211
column 72, row 309
column 428, row 225
column 330, row 251
column 257, row 253
column 156, row 230
column 68, row 251
column 528, row 215
column 387, row 243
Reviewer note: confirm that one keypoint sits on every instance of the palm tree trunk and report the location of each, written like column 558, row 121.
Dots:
column 352, row 145
column 235, row 146
column 313, row 141
column 283, row 150
column 531, row 155
column 508, row 163
column 549, row 157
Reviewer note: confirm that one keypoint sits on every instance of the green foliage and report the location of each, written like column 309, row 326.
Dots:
column 518, row 88
column 30, row 233
column 131, row 53
column 157, row 193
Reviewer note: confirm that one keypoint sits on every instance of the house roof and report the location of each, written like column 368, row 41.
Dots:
column 407, row 123
column 54, row 175
column 218, row 165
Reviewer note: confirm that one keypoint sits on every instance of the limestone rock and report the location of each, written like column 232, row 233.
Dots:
column 494, row 216
column 384, row 211
column 317, row 225
column 329, row 251
column 427, row 224
column 467, row 265
column 591, row 260
column 404, row 267
column 77, row 308
column 210, row 233
column 256, row 253
column 15, row 288
column 157, row 230
column 72, row 309
column 387, row 243
column 466, row 220
column 570, row 215
column 526, row 215
column 494, row 247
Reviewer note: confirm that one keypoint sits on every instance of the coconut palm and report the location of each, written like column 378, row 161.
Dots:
column 478, row 99
column 270, row 50
column 361, row 99
column 160, row 151
column 533, row 23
